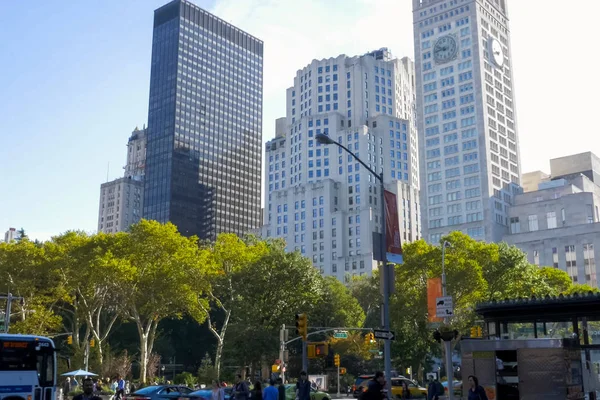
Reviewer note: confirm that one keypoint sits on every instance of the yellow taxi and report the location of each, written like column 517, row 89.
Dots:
column 416, row 392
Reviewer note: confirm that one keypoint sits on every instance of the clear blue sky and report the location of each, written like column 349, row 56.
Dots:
column 74, row 80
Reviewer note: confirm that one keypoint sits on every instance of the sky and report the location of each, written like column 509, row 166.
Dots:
column 74, row 82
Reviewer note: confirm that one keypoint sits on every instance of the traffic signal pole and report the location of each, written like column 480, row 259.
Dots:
column 338, row 385
column 9, row 299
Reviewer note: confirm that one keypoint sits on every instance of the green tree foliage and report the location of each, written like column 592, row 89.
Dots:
column 337, row 306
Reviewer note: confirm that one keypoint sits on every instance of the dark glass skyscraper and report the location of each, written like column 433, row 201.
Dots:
column 203, row 164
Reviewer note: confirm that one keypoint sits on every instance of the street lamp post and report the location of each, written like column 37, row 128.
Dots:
column 324, row 139
column 447, row 343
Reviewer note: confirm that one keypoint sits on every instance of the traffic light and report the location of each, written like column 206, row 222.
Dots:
column 476, row 332
column 369, row 338
column 336, row 360
column 92, row 342
column 343, row 371
column 302, row 325
column 321, row 349
column 473, row 332
column 69, row 339
column 479, row 332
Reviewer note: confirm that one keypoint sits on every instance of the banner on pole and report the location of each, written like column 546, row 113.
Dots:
column 393, row 244
column 434, row 290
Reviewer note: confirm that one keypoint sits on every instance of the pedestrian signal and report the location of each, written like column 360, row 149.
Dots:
column 92, row 342
column 69, row 339
column 343, row 371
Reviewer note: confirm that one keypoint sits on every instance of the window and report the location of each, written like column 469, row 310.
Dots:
column 571, row 258
column 533, row 223
column 589, row 262
column 536, row 257
column 551, row 218
column 555, row 257
column 515, row 226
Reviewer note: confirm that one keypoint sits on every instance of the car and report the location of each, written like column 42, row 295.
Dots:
column 360, row 384
column 416, row 391
column 457, row 386
column 290, row 393
column 206, row 394
column 158, row 392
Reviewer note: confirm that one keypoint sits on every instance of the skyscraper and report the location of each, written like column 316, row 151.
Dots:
column 469, row 153
column 324, row 203
column 121, row 200
column 204, row 123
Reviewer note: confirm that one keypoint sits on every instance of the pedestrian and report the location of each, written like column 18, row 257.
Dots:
column 375, row 388
column 120, row 387
column 67, row 387
column 88, row 391
column 217, row 391
column 256, row 393
column 303, row 387
column 432, row 393
column 240, row 389
column 405, row 390
column 271, row 392
column 280, row 389
column 476, row 392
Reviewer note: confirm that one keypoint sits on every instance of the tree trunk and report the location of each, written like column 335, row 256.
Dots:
column 147, row 333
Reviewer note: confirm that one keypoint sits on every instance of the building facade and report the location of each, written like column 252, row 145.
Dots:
column 121, row 200
column 120, row 204
column 11, row 235
column 558, row 225
column 324, row 203
column 204, row 123
column 469, row 154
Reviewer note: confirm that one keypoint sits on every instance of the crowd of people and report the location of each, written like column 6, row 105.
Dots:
column 117, row 385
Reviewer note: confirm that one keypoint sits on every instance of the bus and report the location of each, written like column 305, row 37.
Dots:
column 27, row 367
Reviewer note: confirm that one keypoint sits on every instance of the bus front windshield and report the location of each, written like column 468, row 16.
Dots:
column 17, row 355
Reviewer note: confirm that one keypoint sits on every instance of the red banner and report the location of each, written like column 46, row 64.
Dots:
column 393, row 244
column 434, row 290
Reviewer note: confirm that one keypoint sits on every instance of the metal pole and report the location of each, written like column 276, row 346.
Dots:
column 304, row 357
column 87, row 353
column 387, row 347
column 7, row 315
column 338, row 393
column 282, row 352
column 447, row 344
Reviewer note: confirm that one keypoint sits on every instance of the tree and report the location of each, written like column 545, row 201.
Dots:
column 167, row 278
column 21, row 235
column 25, row 272
column 207, row 372
column 337, row 307
column 227, row 256
column 272, row 290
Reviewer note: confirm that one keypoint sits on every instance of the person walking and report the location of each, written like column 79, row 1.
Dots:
column 256, row 392
column 271, row 392
column 88, row 391
column 217, row 392
column 375, row 388
column 476, row 392
column 405, row 390
column 280, row 389
column 433, row 391
column 240, row 389
column 120, row 387
column 303, row 387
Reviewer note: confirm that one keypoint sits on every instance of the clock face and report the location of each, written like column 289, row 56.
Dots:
column 497, row 52
column 445, row 49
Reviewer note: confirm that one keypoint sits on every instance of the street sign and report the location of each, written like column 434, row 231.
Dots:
column 340, row 334
column 444, row 307
column 380, row 334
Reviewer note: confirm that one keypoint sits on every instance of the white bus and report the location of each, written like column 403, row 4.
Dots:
column 27, row 367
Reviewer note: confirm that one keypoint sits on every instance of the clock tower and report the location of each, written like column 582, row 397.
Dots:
column 468, row 138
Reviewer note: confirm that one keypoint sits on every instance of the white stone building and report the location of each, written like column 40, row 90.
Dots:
column 323, row 202
column 469, row 154
column 121, row 200
column 558, row 225
column 11, row 235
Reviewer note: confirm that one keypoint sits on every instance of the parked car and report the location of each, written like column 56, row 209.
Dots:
column 159, row 392
column 457, row 387
column 360, row 384
column 290, row 393
column 206, row 394
column 416, row 391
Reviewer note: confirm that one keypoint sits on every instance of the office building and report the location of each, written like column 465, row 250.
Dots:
column 12, row 234
column 203, row 159
column 558, row 225
column 323, row 202
column 469, row 153
column 121, row 200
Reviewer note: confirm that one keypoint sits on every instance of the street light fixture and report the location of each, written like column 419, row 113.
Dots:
column 326, row 140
